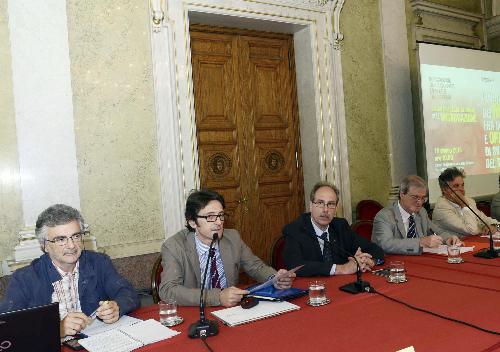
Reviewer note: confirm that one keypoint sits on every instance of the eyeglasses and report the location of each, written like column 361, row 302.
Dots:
column 63, row 240
column 321, row 204
column 418, row 199
column 212, row 217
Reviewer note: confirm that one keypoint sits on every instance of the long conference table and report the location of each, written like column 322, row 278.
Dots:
column 469, row 291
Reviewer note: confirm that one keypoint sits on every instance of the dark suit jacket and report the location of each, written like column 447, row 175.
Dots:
column 302, row 246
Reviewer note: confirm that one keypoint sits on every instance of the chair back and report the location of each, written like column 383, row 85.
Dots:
column 156, row 279
column 277, row 261
column 367, row 209
column 485, row 207
column 363, row 228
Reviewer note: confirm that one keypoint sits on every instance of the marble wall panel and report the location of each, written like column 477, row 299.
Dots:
column 11, row 214
column 366, row 120
column 115, row 122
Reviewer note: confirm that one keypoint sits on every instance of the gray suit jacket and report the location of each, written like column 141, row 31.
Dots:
column 181, row 276
column 389, row 231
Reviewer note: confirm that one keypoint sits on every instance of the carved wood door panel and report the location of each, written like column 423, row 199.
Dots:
column 247, row 129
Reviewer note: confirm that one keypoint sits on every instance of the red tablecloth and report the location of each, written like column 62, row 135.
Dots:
column 469, row 291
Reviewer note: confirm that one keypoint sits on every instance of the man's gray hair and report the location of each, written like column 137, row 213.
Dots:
column 55, row 215
column 320, row 184
column 411, row 181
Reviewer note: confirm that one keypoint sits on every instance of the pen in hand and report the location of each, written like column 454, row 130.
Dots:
column 94, row 313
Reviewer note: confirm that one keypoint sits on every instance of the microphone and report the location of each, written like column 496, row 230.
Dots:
column 487, row 253
column 359, row 285
column 204, row 327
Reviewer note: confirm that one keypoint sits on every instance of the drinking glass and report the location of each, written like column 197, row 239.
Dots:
column 454, row 254
column 317, row 292
column 397, row 273
column 168, row 312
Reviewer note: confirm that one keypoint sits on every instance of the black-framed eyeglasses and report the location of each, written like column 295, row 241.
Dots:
column 322, row 204
column 213, row 217
column 63, row 240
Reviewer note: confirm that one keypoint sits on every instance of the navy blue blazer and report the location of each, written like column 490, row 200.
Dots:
column 98, row 281
column 302, row 246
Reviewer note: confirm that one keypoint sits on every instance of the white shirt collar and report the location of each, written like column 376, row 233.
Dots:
column 317, row 230
column 404, row 214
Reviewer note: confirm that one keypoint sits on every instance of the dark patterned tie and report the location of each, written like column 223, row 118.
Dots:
column 411, row 227
column 327, row 250
column 214, row 274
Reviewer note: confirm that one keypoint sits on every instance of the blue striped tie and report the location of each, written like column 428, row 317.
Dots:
column 411, row 227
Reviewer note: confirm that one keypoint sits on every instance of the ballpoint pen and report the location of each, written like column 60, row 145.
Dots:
column 94, row 313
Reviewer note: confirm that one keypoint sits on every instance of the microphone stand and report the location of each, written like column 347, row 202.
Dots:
column 359, row 285
column 204, row 327
column 487, row 253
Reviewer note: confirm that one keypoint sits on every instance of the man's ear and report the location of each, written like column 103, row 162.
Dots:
column 193, row 224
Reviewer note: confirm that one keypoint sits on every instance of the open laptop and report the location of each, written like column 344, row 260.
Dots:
column 32, row 329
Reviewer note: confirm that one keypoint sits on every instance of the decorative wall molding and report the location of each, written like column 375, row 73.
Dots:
column 321, row 100
column 440, row 24
column 394, row 194
column 338, row 37
column 133, row 248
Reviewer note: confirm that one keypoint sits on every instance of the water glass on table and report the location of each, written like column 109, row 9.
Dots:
column 168, row 312
column 397, row 272
column 454, row 256
column 496, row 240
column 317, row 293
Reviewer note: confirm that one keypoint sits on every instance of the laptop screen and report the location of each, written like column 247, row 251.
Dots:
column 31, row 329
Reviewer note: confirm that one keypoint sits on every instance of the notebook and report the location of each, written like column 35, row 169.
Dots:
column 30, row 329
column 128, row 338
column 236, row 315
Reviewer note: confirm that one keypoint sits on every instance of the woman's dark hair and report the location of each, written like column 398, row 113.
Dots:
column 198, row 200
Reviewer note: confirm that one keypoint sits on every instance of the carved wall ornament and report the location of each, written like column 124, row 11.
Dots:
column 157, row 8
column 219, row 165
column 273, row 162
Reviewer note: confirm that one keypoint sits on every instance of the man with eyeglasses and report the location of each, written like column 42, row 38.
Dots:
column 450, row 211
column 185, row 254
column 83, row 282
column 323, row 243
column 404, row 227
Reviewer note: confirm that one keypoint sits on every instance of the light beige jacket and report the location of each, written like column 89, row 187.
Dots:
column 181, row 276
column 451, row 219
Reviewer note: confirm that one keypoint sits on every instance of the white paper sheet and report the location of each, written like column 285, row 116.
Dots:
column 128, row 338
column 110, row 341
column 442, row 249
column 236, row 315
column 98, row 327
column 149, row 331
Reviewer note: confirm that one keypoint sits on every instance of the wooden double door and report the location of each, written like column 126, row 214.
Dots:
column 248, row 130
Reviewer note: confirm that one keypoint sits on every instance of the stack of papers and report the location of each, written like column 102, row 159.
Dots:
column 236, row 315
column 442, row 249
column 124, row 337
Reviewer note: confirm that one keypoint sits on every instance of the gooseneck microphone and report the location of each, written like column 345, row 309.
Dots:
column 204, row 327
column 359, row 285
column 487, row 253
